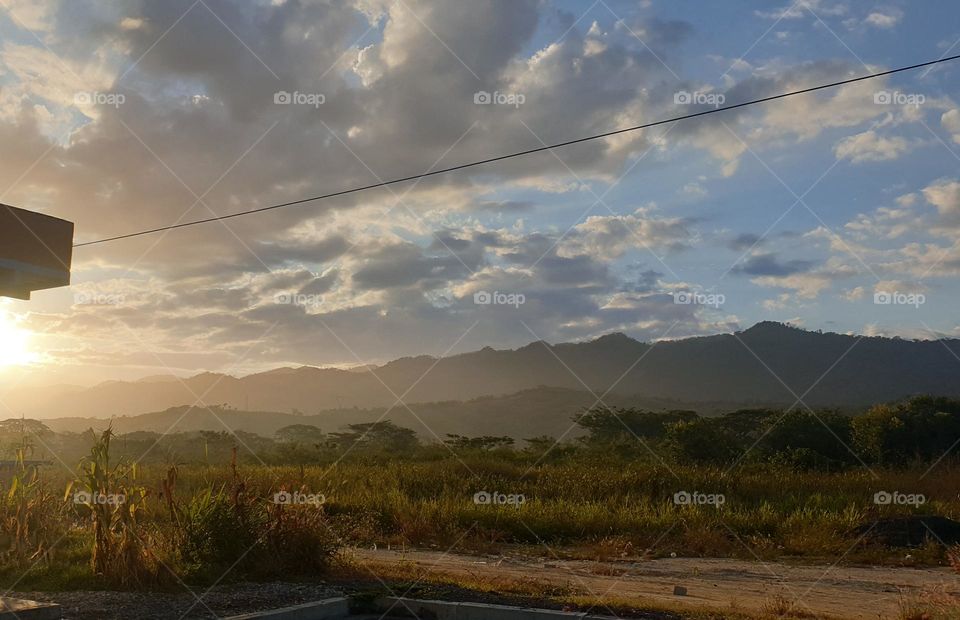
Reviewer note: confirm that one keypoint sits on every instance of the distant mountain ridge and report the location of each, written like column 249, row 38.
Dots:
column 540, row 411
column 768, row 363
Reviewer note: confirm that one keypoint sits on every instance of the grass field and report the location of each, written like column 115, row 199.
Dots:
column 196, row 522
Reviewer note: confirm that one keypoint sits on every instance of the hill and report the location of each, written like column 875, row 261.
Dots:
column 539, row 411
column 768, row 363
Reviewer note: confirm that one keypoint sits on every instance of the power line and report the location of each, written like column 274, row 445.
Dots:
column 539, row 149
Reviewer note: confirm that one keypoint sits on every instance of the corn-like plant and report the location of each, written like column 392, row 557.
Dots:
column 28, row 515
column 109, row 493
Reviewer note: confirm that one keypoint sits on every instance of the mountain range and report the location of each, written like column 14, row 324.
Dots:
column 769, row 363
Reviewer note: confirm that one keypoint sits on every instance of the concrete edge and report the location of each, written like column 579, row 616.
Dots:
column 326, row 609
column 22, row 609
column 451, row 610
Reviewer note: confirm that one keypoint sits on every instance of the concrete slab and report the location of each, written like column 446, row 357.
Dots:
column 327, row 609
column 451, row 610
column 432, row 610
column 483, row 611
column 20, row 609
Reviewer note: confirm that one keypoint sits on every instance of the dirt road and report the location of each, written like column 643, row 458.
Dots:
column 820, row 591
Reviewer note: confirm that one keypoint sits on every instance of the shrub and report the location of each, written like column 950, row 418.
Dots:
column 215, row 534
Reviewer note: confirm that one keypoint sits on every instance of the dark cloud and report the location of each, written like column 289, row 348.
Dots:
column 743, row 242
column 769, row 265
column 406, row 264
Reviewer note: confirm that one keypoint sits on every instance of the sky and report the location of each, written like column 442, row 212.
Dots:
column 837, row 210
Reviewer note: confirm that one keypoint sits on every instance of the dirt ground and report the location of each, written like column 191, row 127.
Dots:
column 717, row 584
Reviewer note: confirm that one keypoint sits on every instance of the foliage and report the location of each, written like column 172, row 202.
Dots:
column 27, row 529
column 302, row 433
column 798, row 491
column 384, row 435
column 609, row 424
column 484, row 443
column 111, row 499
column 922, row 428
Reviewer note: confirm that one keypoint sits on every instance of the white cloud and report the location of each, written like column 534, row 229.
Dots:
column 900, row 286
column 950, row 121
column 884, row 223
column 694, row 189
column 805, row 9
column 908, row 200
column 945, row 196
column 884, row 19
column 854, row 294
column 869, row 147
column 35, row 15
column 780, row 302
column 609, row 236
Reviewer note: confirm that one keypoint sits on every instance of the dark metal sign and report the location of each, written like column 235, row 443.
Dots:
column 35, row 252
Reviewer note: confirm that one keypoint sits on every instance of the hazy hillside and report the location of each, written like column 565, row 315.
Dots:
column 722, row 368
column 540, row 411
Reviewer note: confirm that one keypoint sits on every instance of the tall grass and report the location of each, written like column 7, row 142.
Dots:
column 201, row 522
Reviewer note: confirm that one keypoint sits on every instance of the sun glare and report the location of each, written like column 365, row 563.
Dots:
column 14, row 343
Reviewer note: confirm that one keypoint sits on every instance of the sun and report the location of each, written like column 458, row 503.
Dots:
column 14, row 343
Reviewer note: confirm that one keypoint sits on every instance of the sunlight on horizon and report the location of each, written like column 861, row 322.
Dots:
column 14, row 343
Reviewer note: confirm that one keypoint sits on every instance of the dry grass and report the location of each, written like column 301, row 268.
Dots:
column 780, row 606
column 933, row 604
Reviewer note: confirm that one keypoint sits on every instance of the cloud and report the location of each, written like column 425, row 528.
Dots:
column 35, row 15
column 869, row 147
column 804, row 9
column 744, row 241
column 900, row 286
column 945, row 196
column 950, row 121
column 780, row 302
column 806, row 278
column 393, row 272
column 884, row 19
column 694, row 189
column 885, row 222
column 855, row 294
column 797, row 119
column 769, row 265
column 609, row 236
column 506, row 206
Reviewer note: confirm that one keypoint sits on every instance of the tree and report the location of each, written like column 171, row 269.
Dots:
column 607, row 424
column 704, row 440
column 485, row 443
column 27, row 436
column 302, row 433
column 924, row 427
column 384, row 435
column 810, row 440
